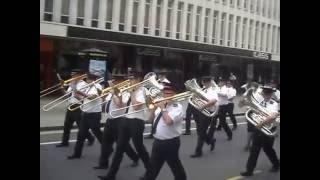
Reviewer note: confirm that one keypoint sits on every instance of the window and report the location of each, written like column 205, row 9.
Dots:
column 198, row 28
column 157, row 29
column 135, row 16
column 224, row 2
column 48, row 10
column 230, row 30
column 275, row 9
column 270, row 9
column 256, row 45
column 268, row 37
column 146, row 17
column 223, row 27
column 252, row 6
column 95, row 13
column 122, row 15
column 232, row 3
column 258, row 6
column 65, row 11
column 169, row 18
column 262, row 36
column 244, row 29
column 237, row 31
column 189, row 13
column 251, row 43
column 264, row 4
column 80, row 15
column 239, row 3
column 109, row 14
column 206, row 20
column 245, row 5
column 215, row 27
column 217, row 1
column 179, row 14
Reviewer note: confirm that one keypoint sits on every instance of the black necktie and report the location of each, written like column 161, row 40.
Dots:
column 154, row 127
column 128, row 103
column 108, row 106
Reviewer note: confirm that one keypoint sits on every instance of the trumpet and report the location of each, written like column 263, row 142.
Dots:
column 151, row 103
column 66, row 97
column 60, row 85
column 104, row 93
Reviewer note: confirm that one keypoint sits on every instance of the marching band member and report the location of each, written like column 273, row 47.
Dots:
column 260, row 140
column 74, row 116
column 111, row 128
column 90, row 119
column 223, row 107
column 202, row 121
column 168, row 118
column 132, row 126
column 231, row 92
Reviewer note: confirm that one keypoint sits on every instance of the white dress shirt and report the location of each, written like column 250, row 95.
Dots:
column 93, row 106
column 223, row 95
column 79, row 86
column 164, row 131
column 140, row 95
column 231, row 93
column 211, row 94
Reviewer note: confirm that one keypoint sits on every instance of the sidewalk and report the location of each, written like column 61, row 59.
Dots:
column 55, row 117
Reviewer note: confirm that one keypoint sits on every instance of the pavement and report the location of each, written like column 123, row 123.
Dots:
column 224, row 163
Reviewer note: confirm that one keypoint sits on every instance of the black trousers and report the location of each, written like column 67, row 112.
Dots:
column 230, row 108
column 212, row 129
column 70, row 118
column 189, row 112
column 223, row 109
column 110, row 135
column 260, row 140
column 166, row 151
column 202, row 124
column 88, row 121
column 129, row 128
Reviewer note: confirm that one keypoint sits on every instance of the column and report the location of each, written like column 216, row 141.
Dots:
column 183, row 28
column 246, row 42
column 259, row 37
column 218, row 28
column 128, row 16
column 210, row 26
column 174, row 20
column 275, row 46
column 141, row 14
column 193, row 22
column 116, row 15
column 253, row 33
column 73, row 10
column 41, row 10
column 233, row 31
column 163, row 18
column 226, row 30
column 202, row 19
column 102, row 13
column 57, row 10
column 264, row 45
column 88, row 12
column 153, row 16
column 240, row 32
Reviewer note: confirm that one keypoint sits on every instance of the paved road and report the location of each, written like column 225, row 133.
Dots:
column 225, row 163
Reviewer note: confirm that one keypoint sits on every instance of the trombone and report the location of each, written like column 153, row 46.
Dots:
column 63, row 98
column 151, row 103
column 60, row 85
column 104, row 93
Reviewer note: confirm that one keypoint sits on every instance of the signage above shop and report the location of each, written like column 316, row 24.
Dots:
column 261, row 55
column 207, row 57
column 148, row 52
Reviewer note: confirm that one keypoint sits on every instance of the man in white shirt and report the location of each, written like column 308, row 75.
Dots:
column 74, row 116
column 167, row 119
column 260, row 140
column 203, row 121
column 131, row 126
column 223, row 107
column 90, row 118
column 111, row 128
column 232, row 92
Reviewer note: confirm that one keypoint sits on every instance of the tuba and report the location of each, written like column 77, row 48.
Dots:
column 257, row 113
column 199, row 98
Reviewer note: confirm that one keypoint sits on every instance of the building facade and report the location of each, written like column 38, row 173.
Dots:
column 215, row 36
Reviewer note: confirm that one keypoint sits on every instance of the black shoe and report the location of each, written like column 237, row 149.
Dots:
column 106, row 178
column 274, row 169
column 150, row 136
column 101, row 167
column 213, row 144
column 229, row 138
column 187, row 133
column 62, row 145
column 91, row 142
column 73, row 157
column 218, row 128
column 234, row 128
column 195, row 155
column 135, row 163
column 247, row 173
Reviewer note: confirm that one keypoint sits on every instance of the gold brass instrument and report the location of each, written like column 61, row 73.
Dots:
column 60, row 85
column 151, row 103
column 257, row 113
column 198, row 99
column 66, row 97
column 104, row 93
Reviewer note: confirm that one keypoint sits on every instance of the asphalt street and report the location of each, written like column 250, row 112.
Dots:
column 224, row 163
